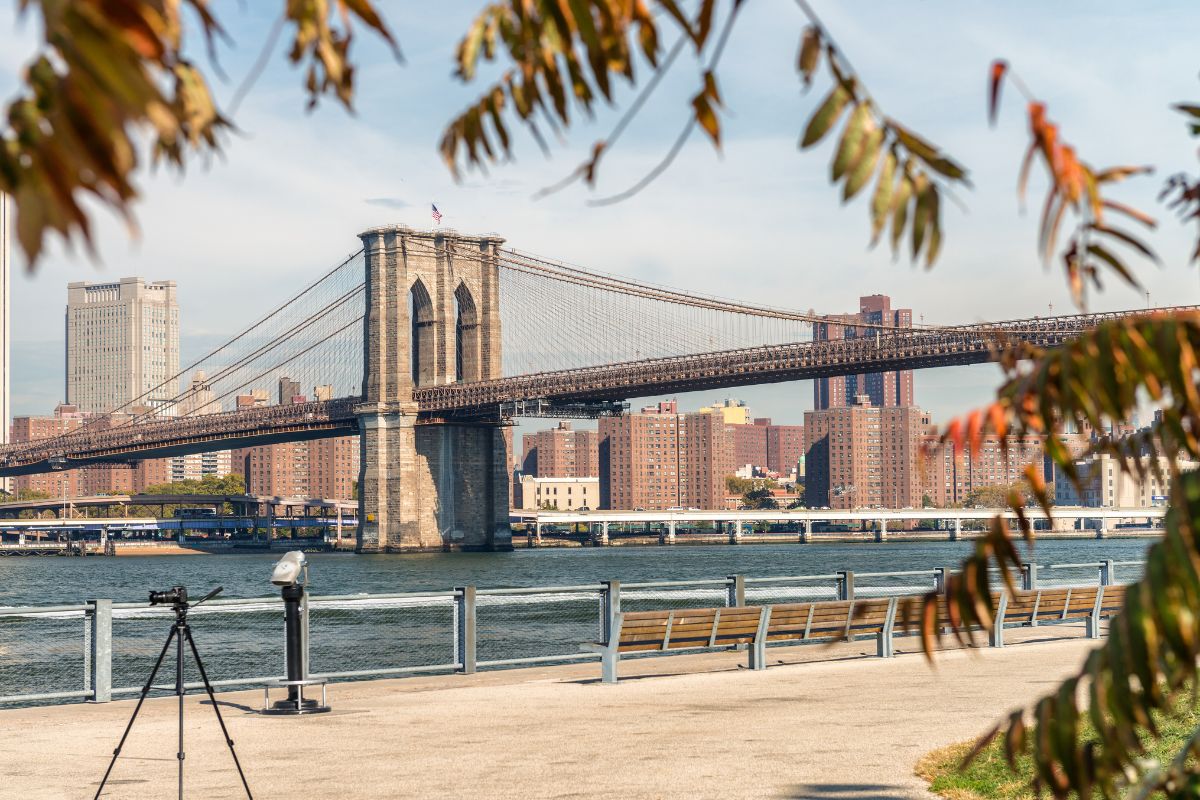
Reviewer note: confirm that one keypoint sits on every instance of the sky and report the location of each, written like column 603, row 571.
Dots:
column 757, row 221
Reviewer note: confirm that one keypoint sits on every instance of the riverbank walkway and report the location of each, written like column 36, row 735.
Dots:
column 820, row 722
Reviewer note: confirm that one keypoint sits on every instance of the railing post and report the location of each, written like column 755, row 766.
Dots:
column 100, row 627
column 845, row 584
column 939, row 579
column 1029, row 578
column 464, row 616
column 610, row 606
column 735, row 591
column 1107, row 572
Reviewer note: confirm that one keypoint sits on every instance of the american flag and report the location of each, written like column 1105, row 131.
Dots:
column 437, row 215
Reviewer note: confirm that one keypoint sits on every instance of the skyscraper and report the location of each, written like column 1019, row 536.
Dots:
column 122, row 343
column 885, row 389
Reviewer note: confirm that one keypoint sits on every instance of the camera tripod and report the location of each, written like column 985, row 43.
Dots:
column 180, row 631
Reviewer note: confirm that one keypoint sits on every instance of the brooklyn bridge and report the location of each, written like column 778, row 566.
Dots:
column 428, row 344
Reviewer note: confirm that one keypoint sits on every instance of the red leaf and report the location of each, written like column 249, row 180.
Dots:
column 974, row 431
column 999, row 67
column 954, row 432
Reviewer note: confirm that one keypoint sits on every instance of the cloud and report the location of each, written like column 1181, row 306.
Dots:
column 388, row 202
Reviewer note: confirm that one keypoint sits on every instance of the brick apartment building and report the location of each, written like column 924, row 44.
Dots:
column 863, row 456
column 323, row 468
column 660, row 459
column 560, row 452
column 952, row 474
column 85, row 481
column 774, row 448
column 884, row 389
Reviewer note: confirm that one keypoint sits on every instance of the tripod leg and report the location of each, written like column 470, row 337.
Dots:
column 217, row 710
column 182, row 626
column 137, row 708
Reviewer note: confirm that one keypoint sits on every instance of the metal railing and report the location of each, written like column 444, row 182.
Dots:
column 100, row 649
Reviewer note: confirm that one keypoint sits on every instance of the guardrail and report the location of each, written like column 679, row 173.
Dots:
column 99, row 650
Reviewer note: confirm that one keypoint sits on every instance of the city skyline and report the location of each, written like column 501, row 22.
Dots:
column 266, row 186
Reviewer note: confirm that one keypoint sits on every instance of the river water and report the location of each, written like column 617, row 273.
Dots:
column 37, row 581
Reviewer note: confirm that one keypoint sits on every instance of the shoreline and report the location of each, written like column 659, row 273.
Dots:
column 135, row 549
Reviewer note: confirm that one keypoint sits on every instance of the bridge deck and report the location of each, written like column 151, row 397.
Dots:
column 901, row 348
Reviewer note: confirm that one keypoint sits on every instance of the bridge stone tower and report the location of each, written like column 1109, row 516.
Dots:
column 432, row 318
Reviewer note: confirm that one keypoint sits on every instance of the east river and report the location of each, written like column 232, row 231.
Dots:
column 39, row 581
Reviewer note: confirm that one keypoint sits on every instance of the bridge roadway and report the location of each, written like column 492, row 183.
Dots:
column 829, row 515
column 902, row 348
column 599, row 522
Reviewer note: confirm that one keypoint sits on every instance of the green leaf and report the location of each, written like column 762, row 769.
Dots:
column 825, row 117
column 881, row 201
column 852, row 138
column 935, row 228
column 864, row 166
column 1107, row 257
column 900, row 200
column 1132, row 241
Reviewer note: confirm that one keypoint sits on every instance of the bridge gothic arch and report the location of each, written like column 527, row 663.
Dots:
column 423, row 335
column 467, row 349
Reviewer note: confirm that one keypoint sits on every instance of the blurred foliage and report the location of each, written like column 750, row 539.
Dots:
column 112, row 77
column 112, row 80
column 989, row 776
column 564, row 58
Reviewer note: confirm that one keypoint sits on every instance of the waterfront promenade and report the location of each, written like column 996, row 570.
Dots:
column 824, row 723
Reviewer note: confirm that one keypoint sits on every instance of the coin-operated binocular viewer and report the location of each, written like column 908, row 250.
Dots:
column 291, row 575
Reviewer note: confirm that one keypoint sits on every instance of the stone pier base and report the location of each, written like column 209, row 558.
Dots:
column 432, row 487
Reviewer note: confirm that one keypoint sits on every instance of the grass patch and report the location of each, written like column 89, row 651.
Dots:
column 989, row 778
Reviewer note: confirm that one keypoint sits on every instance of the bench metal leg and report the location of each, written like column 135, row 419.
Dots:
column 758, row 655
column 996, row 634
column 1092, row 627
column 608, row 665
column 883, row 643
column 758, row 648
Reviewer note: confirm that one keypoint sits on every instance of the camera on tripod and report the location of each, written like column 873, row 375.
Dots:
column 175, row 596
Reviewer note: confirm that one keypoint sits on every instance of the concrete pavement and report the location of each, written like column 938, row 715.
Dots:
column 822, row 722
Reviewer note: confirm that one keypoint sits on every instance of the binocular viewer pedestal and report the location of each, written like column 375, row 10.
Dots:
column 296, row 703
column 296, row 652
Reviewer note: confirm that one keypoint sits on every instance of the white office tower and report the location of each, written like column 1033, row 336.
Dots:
column 122, row 343
column 5, row 327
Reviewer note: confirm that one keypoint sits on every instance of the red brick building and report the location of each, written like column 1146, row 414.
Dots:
column 660, row 459
column 952, row 474
column 560, row 452
column 775, row 448
column 863, row 456
column 85, row 481
column 885, row 389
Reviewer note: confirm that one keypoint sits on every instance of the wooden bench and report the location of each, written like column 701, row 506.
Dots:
column 670, row 631
column 911, row 623
column 1112, row 600
column 1041, row 606
column 800, row 623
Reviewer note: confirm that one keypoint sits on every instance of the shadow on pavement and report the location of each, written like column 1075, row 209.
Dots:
column 846, row 791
